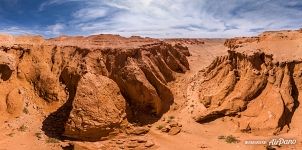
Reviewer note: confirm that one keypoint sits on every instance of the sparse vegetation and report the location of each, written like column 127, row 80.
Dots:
column 171, row 117
column 38, row 135
column 25, row 110
column 231, row 139
column 221, row 137
column 11, row 134
column 52, row 140
column 22, row 128
column 160, row 127
column 228, row 139
column 246, row 130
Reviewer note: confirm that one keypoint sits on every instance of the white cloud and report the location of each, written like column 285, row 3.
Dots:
column 90, row 13
column 190, row 18
column 17, row 31
column 138, row 16
column 55, row 29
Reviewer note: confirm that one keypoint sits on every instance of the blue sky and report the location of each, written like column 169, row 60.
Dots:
column 152, row 18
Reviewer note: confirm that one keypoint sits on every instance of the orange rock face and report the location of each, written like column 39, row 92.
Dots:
column 112, row 92
column 97, row 108
column 262, row 89
column 94, row 76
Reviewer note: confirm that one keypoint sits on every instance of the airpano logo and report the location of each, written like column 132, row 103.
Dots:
column 272, row 142
column 282, row 141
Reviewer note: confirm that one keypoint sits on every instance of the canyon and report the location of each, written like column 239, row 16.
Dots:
column 112, row 92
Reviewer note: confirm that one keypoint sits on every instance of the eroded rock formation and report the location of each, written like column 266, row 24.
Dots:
column 98, row 107
column 142, row 73
column 92, row 81
column 260, row 89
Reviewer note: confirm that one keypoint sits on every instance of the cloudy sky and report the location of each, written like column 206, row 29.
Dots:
column 152, row 18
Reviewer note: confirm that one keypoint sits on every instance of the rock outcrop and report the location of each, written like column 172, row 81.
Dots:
column 92, row 81
column 98, row 107
column 15, row 102
column 260, row 89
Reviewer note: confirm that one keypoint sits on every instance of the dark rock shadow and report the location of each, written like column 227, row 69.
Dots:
column 212, row 118
column 288, row 114
column 141, row 117
column 5, row 72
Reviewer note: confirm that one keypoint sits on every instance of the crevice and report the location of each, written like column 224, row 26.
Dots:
column 288, row 114
column 54, row 124
column 162, row 91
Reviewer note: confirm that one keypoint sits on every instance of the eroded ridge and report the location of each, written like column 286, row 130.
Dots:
column 94, row 85
column 262, row 92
